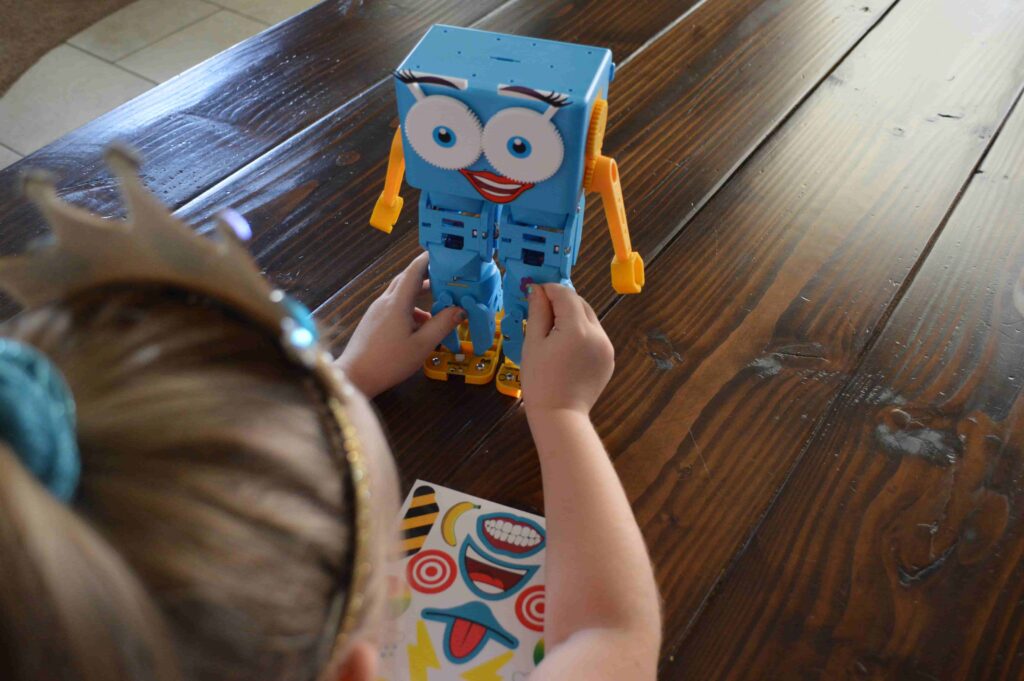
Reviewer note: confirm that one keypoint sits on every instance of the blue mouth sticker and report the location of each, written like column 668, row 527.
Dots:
column 468, row 628
column 490, row 578
column 510, row 535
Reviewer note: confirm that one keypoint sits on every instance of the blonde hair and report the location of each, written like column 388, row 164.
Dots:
column 210, row 537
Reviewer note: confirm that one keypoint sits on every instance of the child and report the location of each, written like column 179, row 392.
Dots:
column 187, row 494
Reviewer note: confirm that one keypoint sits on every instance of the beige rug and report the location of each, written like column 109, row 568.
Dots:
column 29, row 29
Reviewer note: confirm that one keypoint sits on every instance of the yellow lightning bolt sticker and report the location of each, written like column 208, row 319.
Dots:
column 422, row 656
column 488, row 671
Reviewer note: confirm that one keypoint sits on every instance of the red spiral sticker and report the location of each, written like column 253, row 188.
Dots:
column 530, row 608
column 430, row 572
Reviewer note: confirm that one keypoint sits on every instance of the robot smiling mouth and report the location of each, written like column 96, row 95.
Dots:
column 490, row 578
column 495, row 188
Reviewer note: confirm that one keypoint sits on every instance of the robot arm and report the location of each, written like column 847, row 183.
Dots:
column 627, row 265
column 389, row 205
column 602, row 176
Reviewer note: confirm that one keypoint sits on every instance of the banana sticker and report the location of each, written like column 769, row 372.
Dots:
column 452, row 517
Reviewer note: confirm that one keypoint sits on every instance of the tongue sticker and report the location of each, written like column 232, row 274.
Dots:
column 465, row 637
column 468, row 629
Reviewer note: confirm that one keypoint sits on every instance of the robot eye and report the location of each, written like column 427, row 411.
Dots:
column 444, row 136
column 444, row 132
column 523, row 145
column 519, row 147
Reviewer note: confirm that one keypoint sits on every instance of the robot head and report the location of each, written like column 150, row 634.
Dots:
column 499, row 117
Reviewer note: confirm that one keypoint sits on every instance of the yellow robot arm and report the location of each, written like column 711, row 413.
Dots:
column 389, row 205
column 602, row 176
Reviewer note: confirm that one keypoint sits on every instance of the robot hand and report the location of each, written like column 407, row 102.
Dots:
column 628, row 274
column 385, row 212
column 389, row 205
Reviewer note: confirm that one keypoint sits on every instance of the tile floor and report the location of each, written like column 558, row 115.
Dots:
column 120, row 57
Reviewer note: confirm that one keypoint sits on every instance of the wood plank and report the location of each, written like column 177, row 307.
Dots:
column 897, row 548
column 199, row 127
column 310, row 200
column 757, row 314
column 692, row 107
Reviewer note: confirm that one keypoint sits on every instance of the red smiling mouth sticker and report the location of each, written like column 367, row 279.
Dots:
column 511, row 536
column 490, row 577
column 495, row 188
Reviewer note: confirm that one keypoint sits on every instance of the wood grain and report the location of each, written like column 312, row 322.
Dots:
column 693, row 106
column 199, row 127
column 897, row 548
column 772, row 292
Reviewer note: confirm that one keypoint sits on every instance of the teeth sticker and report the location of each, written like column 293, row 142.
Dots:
column 511, row 535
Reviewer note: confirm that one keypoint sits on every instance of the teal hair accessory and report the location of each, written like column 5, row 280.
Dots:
column 37, row 417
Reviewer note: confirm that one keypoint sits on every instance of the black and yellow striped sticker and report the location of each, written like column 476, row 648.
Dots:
column 416, row 524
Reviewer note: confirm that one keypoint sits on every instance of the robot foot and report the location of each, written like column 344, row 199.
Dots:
column 508, row 379
column 475, row 369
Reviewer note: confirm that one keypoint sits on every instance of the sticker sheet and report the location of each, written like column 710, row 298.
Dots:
column 466, row 598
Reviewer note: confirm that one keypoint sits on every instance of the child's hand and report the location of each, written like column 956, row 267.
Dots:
column 567, row 357
column 394, row 336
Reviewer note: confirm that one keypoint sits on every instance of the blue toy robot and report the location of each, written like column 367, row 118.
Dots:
column 502, row 136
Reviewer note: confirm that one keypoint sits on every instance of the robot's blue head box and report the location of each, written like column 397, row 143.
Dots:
column 499, row 117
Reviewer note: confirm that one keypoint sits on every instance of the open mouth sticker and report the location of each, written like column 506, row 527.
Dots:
column 510, row 535
column 493, row 187
column 468, row 628
column 490, row 578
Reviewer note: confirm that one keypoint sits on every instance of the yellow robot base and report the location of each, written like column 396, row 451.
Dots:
column 508, row 379
column 475, row 369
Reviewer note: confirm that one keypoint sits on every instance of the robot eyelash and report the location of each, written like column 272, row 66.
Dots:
column 409, row 77
column 555, row 99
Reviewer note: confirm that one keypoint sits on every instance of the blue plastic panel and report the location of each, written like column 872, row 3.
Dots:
column 478, row 63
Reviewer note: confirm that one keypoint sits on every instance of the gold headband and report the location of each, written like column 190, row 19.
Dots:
column 154, row 247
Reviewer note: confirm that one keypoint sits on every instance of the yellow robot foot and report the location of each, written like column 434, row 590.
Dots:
column 508, row 379
column 475, row 369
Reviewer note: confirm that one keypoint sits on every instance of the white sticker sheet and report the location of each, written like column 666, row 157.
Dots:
column 466, row 599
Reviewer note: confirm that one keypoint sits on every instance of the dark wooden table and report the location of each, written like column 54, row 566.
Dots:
column 817, row 406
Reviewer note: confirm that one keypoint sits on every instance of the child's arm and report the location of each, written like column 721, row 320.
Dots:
column 394, row 337
column 602, row 619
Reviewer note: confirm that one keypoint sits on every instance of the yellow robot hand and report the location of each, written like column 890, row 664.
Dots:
column 628, row 274
column 389, row 205
column 385, row 213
